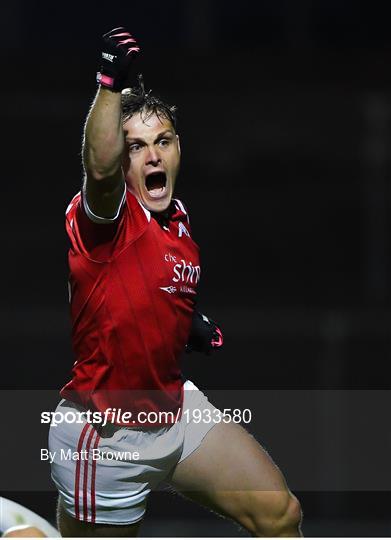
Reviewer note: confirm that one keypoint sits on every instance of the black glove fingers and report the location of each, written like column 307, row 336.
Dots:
column 120, row 48
column 217, row 340
column 118, row 36
column 205, row 335
column 121, row 35
column 114, row 30
column 128, row 39
column 133, row 49
column 124, row 44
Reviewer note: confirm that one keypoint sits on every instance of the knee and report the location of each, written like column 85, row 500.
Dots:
column 273, row 514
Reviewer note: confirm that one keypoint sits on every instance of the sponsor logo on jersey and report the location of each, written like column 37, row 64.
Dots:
column 186, row 289
column 170, row 258
column 170, row 289
column 186, row 272
column 182, row 230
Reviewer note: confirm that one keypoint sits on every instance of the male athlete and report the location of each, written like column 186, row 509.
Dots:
column 134, row 270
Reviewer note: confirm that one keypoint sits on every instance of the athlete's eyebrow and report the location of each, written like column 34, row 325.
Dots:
column 135, row 140
column 139, row 140
column 164, row 134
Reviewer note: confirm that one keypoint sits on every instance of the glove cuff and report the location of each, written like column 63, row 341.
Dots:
column 109, row 82
column 105, row 80
column 116, row 84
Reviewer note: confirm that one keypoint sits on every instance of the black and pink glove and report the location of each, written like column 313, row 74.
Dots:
column 205, row 335
column 118, row 52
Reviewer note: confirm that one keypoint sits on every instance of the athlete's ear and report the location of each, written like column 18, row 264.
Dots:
column 179, row 144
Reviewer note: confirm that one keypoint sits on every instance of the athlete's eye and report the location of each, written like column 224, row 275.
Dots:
column 164, row 142
column 134, row 147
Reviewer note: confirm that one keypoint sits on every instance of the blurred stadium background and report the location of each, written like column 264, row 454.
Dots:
column 285, row 120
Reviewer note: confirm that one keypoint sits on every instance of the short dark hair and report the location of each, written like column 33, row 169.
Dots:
column 137, row 100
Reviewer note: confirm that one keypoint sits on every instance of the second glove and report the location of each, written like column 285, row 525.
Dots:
column 205, row 335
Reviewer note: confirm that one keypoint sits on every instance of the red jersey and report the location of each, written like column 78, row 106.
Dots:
column 133, row 285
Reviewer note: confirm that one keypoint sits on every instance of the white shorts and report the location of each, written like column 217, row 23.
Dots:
column 101, row 479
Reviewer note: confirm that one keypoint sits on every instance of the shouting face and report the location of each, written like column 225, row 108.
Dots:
column 151, row 160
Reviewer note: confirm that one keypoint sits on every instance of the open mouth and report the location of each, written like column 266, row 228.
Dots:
column 156, row 184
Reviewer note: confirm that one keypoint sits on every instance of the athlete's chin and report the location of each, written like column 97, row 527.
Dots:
column 157, row 205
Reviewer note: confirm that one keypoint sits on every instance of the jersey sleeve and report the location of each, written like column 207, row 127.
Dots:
column 101, row 239
column 101, row 220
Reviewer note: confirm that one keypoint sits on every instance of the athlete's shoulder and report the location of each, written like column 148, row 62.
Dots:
column 100, row 238
column 79, row 204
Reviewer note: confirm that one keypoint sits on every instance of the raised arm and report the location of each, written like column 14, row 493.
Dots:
column 103, row 142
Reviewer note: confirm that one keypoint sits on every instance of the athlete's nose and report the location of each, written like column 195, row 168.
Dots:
column 152, row 157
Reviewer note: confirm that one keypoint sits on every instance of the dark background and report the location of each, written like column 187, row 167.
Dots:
column 285, row 123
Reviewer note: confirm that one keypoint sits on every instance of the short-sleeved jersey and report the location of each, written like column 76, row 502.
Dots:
column 133, row 286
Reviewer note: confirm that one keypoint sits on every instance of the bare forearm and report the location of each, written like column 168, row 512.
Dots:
column 103, row 136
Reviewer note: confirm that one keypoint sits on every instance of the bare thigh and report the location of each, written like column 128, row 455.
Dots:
column 71, row 527
column 227, row 471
